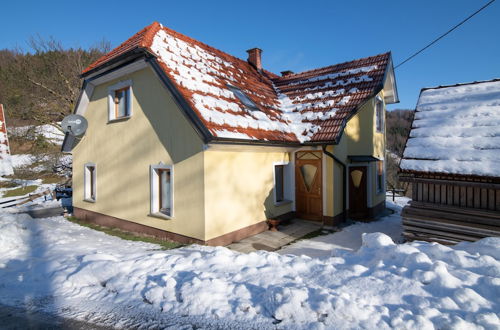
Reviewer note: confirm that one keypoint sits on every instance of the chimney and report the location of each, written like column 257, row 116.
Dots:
column 254, row 58
column 286, row 73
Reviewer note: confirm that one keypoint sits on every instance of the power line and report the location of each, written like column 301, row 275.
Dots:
column 445, row 34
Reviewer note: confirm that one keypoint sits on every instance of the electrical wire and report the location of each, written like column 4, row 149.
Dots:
column 445, row 34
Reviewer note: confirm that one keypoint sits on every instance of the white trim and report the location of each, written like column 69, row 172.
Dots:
column 86, row 183
column 130, row 68
column 111, row 103
column 154, row 186
column 288, row 184
column 87, row 93
column 84, row 100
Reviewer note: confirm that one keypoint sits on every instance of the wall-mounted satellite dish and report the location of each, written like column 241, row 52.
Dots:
column 74, row 124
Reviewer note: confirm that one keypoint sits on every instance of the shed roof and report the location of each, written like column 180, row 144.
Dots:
column 456, row 130
column 311, row 106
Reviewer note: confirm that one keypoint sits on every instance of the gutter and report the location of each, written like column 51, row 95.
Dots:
column 344, row 180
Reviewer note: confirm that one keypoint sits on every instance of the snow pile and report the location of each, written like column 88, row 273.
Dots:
column 52, row 133
column 350, row 237
column 74, row 271
column 456, row 130
column 207, row 75
column 5, row 158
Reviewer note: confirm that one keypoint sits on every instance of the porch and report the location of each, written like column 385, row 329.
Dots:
column 273, row 240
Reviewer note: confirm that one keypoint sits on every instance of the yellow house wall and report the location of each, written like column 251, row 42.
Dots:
column 123, row 152
column 239, row 189
column 360, row 138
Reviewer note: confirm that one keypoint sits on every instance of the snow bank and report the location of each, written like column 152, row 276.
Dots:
column 78, row 272
column 50, row 132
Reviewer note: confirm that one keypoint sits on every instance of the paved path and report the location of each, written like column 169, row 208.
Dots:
column 274, row 240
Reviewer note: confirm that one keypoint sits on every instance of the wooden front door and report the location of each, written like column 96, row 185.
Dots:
column 308, row 185
column 358, row 203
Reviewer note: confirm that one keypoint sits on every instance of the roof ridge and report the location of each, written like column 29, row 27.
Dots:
column 461, row 84
column 294, row 75
column 144, row 35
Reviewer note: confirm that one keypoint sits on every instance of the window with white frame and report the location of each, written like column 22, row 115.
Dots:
column 89, row 182
column 380, row 176
column 379, row 113
column 120, row 100
column 282, row 183
column 162, row 190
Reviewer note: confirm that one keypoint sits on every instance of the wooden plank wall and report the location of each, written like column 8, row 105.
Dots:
column 457, row 195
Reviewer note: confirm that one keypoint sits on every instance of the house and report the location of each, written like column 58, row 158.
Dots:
column 192, row 144
column 452, row 159
column 5, row 158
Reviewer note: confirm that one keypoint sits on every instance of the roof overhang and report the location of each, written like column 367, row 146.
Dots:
column 362, row 159
column 390, row 89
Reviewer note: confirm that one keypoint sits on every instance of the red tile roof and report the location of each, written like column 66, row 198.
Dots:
column 311, row 106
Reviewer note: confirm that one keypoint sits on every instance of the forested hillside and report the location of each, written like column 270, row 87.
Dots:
column 40, row 85
column 398, row 124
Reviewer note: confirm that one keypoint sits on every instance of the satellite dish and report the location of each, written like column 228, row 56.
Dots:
column 74, row 124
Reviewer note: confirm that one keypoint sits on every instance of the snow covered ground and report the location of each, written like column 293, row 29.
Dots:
column 350, row 237
column 72, row 271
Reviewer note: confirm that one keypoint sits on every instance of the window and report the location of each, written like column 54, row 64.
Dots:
column 380, row 176
column 89, row 182
column 247, row 102
column 379, row 110
column 120, row 101
column 283, row 191
column 162, row 190
column 279, row 182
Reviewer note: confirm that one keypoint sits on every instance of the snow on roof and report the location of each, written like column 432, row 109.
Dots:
column 5, row 158
column 456, row 130
column 308, row 106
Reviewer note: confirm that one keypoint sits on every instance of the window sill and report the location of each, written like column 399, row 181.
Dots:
column 160, row 215
column 117, row 120
column 283, row 202
column 88, row 200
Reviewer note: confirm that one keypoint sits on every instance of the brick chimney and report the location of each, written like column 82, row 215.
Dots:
column 286, row 73
column 254, row 58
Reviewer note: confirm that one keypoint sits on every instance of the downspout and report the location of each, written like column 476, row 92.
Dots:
column 344, row 180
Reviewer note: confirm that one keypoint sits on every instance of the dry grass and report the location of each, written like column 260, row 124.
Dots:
column 19, row 191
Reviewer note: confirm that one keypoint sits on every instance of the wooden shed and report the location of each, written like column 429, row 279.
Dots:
column 452, row 160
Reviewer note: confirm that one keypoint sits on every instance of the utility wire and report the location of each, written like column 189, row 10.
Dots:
column 445, row 34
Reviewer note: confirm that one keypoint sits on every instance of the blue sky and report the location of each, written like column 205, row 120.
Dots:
column 295, row 35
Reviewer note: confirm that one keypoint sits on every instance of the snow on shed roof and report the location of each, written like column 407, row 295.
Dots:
column 5, row 159
column 308, row 106
column 456, row 130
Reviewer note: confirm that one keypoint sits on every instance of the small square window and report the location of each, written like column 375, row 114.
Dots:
column 247, row 102
column 120, row 101
column 162, row 190
column 89, row 184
